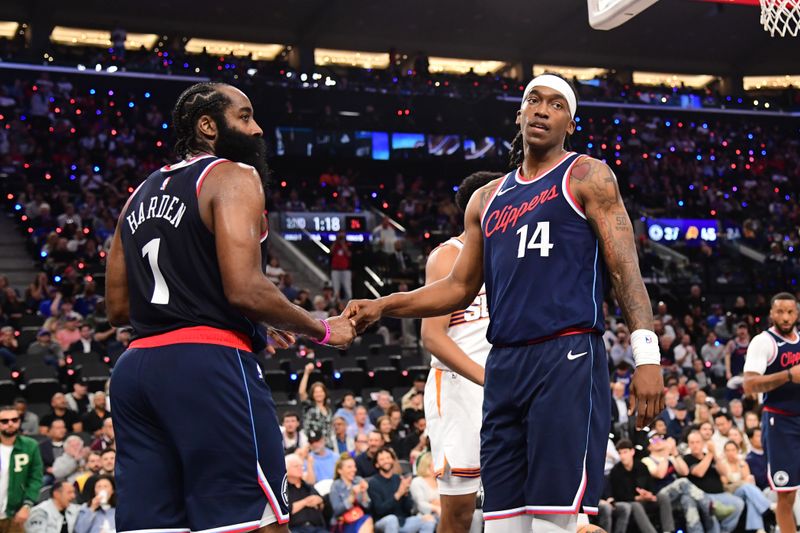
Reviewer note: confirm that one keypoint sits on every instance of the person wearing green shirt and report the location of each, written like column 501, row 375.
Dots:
column 21, row 472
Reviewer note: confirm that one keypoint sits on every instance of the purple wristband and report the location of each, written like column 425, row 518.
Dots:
column 326, row 338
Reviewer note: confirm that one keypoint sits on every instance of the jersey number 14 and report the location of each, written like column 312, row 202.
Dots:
column 540, row 240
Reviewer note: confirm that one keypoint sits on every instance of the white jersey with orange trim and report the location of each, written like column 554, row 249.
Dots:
column 453, row 404
column 468, row 327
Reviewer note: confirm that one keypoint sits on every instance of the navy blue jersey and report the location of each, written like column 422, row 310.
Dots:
column 174, row 279
column 543, row 270
column 786, row 354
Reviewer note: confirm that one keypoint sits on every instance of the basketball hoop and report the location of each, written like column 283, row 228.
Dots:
column 781, row 16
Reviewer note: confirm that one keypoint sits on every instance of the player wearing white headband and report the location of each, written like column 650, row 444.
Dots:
column 543, row 239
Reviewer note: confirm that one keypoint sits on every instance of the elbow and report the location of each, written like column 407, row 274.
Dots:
column 242, row 298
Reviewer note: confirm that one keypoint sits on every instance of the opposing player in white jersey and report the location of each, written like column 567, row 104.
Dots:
column 454, row 392
column 773, row 368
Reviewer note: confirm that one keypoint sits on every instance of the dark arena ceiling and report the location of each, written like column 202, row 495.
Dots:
column 686, row 36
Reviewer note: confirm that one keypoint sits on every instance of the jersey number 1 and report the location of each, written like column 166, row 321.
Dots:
column 160, row 291
column 539, row 241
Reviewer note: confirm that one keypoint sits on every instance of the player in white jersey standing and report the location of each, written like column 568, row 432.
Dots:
column 454, row 392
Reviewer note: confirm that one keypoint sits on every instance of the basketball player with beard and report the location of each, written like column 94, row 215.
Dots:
column 542, row 239
column 198, row 442
column 772, row 367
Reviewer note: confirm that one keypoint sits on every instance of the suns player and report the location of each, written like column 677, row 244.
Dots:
column 198, row 442
column 772, row 367
column 542, row 237
column 454, row 392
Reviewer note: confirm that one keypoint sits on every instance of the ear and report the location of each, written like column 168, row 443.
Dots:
column 519, row 117
column 207, row 127
column 571, row 127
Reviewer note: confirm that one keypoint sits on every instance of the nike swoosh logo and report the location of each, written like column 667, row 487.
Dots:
column 501, row 193
column 572, row 356
column 780, row 344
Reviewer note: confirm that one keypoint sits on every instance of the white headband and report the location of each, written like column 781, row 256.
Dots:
column 558, row 85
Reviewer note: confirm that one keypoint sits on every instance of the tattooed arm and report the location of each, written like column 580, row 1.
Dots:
column 596, row 189
column 455, row 291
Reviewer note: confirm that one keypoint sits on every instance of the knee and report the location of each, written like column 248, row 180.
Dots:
column 464, row 518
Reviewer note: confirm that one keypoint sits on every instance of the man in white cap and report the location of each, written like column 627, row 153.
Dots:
column 542, row 239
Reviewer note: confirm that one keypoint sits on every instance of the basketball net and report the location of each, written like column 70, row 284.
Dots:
column 781, row 17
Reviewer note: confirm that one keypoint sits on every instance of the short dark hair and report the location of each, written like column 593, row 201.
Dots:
column 782, row 296
column 8, row 408
column 723, row 414
column 107, row 451
column 58, row 485
column 385, row 449
column 624, row 444
column 472, row 183
column 752, row 431
column 289, row 414
column 198, row 100
column 20, row 399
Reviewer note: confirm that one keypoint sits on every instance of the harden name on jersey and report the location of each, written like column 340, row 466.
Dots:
column 170, row 208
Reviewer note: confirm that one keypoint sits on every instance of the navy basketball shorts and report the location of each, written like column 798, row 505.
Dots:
column 546, row 421
column 781, row 435
column 198, row 441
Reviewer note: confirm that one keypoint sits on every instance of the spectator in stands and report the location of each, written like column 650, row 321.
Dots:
column 365, row 462
column 91, row 467
column 293, row 436
column 622, row 350
column 417, row 387
column 319, row 309
column 350, row 499
column 305, row 504
column 424, row 489
column 416, row 441
column 382, row 407
column 60, row 411
column 322, row 457
column 619, row 411
column 738, row 438
column 363, row 425
column 94, row 419
column 98, row 515
column 68, row 465
column 391, row 502
column 399, row 427
column 23, row 469
column 79, row 400
column 46, row 349
column 699, row 375
column 287, row 287
column 341, row 273
column 665, row 465
column 53, row 447
column 57, row 514
column 348, row 409
column 670, row 400
column 384, row 237
column 107, row 461
column 756, row 460
column 713, row 353
column 736, row 410
column 29, row 420
column 751, row 421
column 736, row 351
column 415, row 407
column 400, row 264
column 342, row 443
column 120, row 343
column 685, row 354
column 13, row 308
column 737, row 479
column 361, row 445
column 678, row 426
column 705, row 472
column 8, row 346
column 318, row 415
column 38, row 290
column 86, row 345
column 106, row 439
column 723, row 423
column 629, row 483
column 274, row 272
column 68, row 331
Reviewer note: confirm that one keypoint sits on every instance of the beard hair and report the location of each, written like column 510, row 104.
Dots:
column 242, row 148
column 9, row 433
